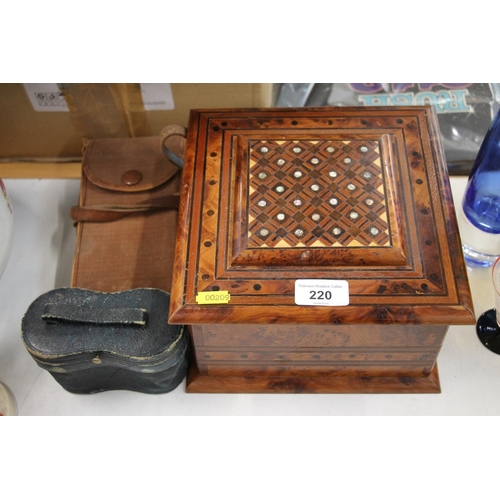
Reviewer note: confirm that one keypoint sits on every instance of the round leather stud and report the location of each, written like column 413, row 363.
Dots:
column 131, row 177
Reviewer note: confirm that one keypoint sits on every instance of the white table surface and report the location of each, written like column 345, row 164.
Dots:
column 41, row 260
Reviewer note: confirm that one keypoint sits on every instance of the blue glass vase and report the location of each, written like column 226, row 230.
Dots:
column 480, row 217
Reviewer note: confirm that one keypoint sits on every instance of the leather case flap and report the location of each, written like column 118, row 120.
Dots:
column 128, row 164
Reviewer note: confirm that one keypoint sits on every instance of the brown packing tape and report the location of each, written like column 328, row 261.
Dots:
column 107, row 110
column 134, row 107
column 40, row 170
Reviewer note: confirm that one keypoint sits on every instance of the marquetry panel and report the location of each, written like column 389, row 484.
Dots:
column 318, row 193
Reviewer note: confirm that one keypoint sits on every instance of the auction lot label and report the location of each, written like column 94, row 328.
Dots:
column 321, row 292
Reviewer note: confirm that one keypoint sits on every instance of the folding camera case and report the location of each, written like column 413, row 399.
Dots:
column 127, row 213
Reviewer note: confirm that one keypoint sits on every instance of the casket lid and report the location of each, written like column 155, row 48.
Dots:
column 360, row 195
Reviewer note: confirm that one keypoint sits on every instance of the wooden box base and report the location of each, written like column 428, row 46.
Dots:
column 315, row 359
column 197, row 383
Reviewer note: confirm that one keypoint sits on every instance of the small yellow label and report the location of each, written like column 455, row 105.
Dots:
column 219, row 297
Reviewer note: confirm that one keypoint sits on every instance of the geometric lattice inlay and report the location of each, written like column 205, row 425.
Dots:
column 316, row 193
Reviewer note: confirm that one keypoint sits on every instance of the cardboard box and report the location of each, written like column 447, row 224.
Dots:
column 104, row 110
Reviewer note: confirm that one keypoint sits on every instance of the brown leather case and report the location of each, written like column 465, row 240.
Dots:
column 127, row 212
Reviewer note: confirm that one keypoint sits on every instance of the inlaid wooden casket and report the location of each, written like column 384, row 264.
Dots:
column 317, row 250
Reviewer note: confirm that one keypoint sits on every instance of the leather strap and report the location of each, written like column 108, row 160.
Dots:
column 165, row 134
column 109, row 213
column 55, row 313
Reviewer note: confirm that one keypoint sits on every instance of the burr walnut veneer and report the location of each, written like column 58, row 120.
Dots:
column 356, row 196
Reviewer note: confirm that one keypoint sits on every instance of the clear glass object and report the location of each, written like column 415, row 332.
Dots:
column 480, row 214
column 7, row 401
column 488, row 324
column 5, row 227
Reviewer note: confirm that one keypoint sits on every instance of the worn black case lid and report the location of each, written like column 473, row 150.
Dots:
column 131, row 326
